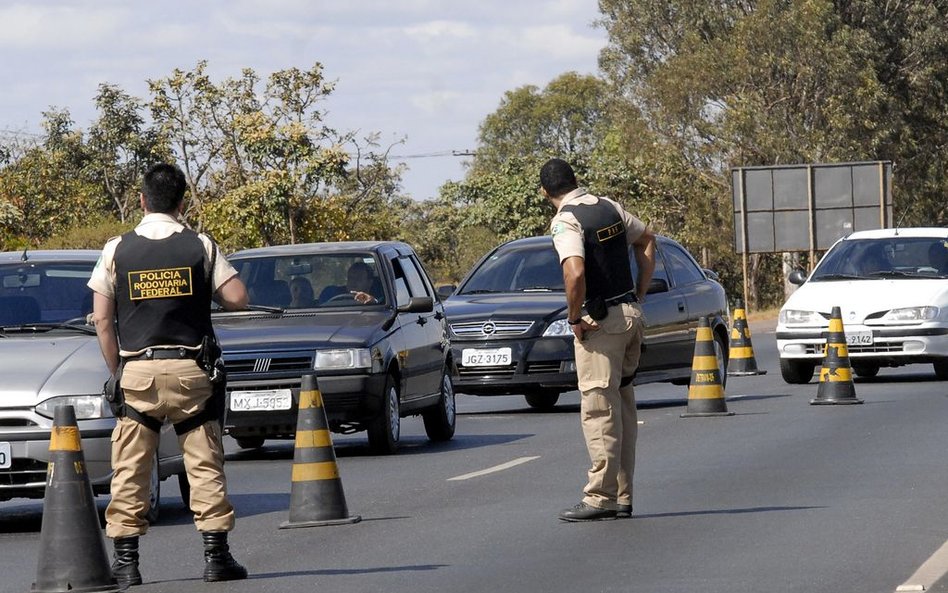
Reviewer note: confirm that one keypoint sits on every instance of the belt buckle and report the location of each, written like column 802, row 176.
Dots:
column 149, row 353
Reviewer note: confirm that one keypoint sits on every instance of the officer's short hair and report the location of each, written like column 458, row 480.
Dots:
column 557, row 177
column 163, row 187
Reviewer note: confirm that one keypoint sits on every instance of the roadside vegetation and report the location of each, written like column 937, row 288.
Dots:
column 687, row 89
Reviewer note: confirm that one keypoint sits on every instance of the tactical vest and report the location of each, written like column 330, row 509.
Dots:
column 608, row 274
column 162, row 291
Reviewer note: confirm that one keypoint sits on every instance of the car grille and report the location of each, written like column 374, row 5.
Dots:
column 543, row 367
column 269, row 365
column 507, row 371
column 878, row 348
column 490, row 328
column 23, row 472
column 16, row 422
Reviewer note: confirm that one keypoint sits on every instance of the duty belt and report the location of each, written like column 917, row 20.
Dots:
column 164, row 353
column 628, row 297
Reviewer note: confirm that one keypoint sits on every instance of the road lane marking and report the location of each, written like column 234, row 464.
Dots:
column 928, row 573
column 496, row 468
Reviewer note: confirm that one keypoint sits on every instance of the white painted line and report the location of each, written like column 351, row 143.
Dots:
column 928, row 573
column 496, row 468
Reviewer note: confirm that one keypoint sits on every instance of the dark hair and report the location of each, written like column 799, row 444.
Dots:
column 164, row 186
column 557, row 178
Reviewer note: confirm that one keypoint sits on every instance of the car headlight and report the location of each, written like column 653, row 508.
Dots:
column 797, row 317
column 88, row 407
column 558, row 329
column 348, row 358
column 911, row 314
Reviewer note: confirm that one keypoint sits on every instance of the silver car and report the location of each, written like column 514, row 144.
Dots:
column 49, row 356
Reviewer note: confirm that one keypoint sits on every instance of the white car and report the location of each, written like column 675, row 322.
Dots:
column 891, row 286
column 49, row 356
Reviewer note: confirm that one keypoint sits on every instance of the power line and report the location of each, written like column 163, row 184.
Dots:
column 428, row 155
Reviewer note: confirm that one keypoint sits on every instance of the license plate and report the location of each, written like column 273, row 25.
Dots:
column 6, row 457
column 485, row 357
column 859, row 338
column 261, row 401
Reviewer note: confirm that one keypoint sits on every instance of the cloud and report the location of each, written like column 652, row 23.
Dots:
column 43, row 27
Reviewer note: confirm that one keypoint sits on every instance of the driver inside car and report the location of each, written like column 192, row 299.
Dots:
column 358, row 286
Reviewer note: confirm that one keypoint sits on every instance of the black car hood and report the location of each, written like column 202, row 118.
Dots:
column 291, row 331
column 509, row 305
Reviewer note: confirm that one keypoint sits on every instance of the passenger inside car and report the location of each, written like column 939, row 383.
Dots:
column 938, row 256
column 301, row 293
column 874, row 259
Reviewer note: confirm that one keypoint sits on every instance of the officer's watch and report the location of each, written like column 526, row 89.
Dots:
column 577, row 322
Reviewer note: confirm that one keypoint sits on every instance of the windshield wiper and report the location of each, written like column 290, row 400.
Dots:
column 86, row 329
column 481, row 291
column 838, row 277
column 896, row 274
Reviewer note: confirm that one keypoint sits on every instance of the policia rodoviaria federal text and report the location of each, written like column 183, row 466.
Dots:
column 153, row 288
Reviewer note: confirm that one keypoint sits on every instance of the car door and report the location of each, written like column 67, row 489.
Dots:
column 666, row 318
column 691, row 287
column 422, row 332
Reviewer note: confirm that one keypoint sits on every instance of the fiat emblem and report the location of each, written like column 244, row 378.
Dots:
column 852, row 315
column 488, row 328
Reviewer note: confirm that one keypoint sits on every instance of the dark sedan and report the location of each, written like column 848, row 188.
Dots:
column 508, row 322
column 362, row 316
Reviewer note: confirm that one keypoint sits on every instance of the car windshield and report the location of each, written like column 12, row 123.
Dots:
column 311, row 280
column 892, row 257
column 528, row 268
column 44, row 292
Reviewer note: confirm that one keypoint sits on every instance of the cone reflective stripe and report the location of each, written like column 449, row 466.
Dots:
column 72, row 555
column 705, row 393
column 741, row 359
column 836, row 376
column 316, row 496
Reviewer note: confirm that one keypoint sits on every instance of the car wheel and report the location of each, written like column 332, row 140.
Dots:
column 250, row 442
column 385, row 430
column 441, row 418
column 154, row 494
column 185, row 487
column 721, row 354
column 941, row 369
column 866, row 370
column 542, row 400
column 796, row 372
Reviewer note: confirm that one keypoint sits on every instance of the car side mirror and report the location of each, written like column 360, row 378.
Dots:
column 797, row 277
column 657, row 285
column 417, row 305
column 711, row 274
column 446, row 290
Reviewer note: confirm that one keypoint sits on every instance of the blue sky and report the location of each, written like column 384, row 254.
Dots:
column 428, row 71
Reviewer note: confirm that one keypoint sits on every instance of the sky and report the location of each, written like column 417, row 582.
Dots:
column 424, row 71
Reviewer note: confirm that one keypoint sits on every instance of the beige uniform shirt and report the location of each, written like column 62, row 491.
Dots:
column 154, row 226
column 568, row 233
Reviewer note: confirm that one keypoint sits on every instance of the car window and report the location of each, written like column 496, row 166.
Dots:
column 517, row 269
column 310, row 280
column 660, row 272
column 51, row 292
column 683, row 269
column 885, row 257
column 416, row 286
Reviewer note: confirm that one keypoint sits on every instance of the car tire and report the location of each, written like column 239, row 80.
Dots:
column 185, row 487
column 542, row 400
column 941, row 369
column 721, row 351
column 154, row 494
column 440, row 420
column 866, row 370
column 385, row 430
column 796, row 372
column 249, row 442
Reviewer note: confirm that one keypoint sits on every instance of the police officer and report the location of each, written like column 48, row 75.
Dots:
column 152, row 292
column 592, row 237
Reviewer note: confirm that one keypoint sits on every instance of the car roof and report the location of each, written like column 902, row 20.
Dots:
column 47, row 255
column 547, row 239
column 940, row 232
column 328, row 247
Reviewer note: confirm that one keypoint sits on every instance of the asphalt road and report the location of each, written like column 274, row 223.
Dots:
column 782, row 496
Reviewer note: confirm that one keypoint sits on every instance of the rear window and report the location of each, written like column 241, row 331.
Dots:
column 41, row 292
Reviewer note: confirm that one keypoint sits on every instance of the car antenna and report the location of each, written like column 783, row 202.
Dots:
column 24, row 257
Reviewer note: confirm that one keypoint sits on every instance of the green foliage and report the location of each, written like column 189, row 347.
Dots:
column 91, row 234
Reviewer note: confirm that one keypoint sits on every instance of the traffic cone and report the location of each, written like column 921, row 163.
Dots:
column 705, row 394
column 316, row 496
column 72, row 554
column 836, row 376
column 741, row 360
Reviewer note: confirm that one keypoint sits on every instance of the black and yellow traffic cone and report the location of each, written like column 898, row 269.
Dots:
column 705, row 393
column 836, row 375
column 316, row 496
column 72, row 554
column 741, row 360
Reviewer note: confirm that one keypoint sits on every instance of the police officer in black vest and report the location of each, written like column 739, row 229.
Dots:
column 592, row 237
column 153, row 288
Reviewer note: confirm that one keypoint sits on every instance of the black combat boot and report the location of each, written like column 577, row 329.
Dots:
column 125, row 565
column 219, row 565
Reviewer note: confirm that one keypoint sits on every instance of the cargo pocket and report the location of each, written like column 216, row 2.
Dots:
column 139, row 389
column 195, row 390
